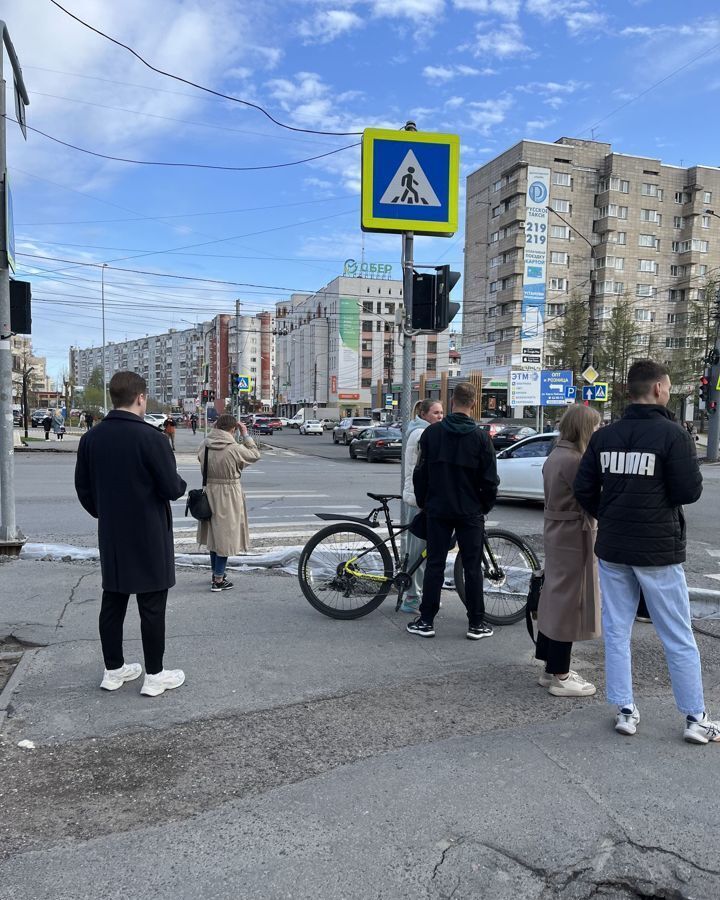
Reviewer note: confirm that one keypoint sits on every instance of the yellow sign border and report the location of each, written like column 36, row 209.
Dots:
column 368, row 222
column 604, row 384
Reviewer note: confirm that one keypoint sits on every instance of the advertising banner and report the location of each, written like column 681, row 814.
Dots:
column 349, row 349
column 534, row 279
column 554, row 387
column 523, row 387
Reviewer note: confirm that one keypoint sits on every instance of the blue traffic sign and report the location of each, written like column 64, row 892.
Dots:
column 570, row 392
column 243, row 384
column 554, row 386
column 588, row 392
column 597, row 392
column 410, row 181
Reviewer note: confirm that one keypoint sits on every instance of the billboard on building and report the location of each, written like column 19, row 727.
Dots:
column 532, row 332
column 349, row 345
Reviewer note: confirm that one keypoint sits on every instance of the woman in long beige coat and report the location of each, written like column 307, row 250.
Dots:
column 227, row 532
column 569, row 607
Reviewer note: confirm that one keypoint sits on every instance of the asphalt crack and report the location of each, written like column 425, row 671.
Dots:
column 71, row 598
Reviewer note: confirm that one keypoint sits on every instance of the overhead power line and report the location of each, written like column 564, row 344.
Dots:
column 200, row 87
column 183, row 165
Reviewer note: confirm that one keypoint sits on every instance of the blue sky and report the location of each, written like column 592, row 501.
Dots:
column 493, row 71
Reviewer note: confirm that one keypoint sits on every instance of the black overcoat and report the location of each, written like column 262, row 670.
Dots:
column 125, row 477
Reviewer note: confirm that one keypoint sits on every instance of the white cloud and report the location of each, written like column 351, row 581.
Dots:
column 326, row 26
column 539, row 124
column 442, row 74
column 503, row 42
column 420, row 10
column 509, row 9
column 484, row 115
column 578, row 15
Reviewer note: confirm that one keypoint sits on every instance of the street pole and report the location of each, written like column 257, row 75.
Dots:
column 237, row 355
column 406, row 393
column 713, row 433
column 104, row 361
column 26, row 373
column 9, row 533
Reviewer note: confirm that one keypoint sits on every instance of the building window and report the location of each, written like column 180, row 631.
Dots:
column 651, row 190
column 705, row 221
column 644, row 290
column 493, row 287
column 678, row 222
column 563, row 178
column 497, row 185
column 558, row 284
column 559, row 231
column 614, row 184
column 650, row 215
column 366, row 325
column 556, row 309
column 644, row 315
column 701, row 246
column 702, row 270
column 558, row 258
column 367, row 305
column 676, row 295
column 495, row 261
column 647, row 265
column 561, row 206
column 496, row 212
column 495, row 236
column 367, row 362
column 707, row 197
column 621, row 237
column 366, row 382
column 649, row 240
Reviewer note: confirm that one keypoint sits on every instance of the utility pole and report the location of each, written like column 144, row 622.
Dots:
column 713, row 433
column 237, row 353
column 11, row 539
column 26, row 373
column 104, row 360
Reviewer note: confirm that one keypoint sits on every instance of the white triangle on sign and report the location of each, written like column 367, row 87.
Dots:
column 410, row 186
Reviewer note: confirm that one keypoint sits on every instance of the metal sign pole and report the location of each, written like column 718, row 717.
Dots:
column 406, row 394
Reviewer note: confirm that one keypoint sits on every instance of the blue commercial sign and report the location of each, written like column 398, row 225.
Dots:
column 554, row 387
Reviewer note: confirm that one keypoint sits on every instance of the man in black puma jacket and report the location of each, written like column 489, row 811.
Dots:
column 455, row 483
column 634, row 478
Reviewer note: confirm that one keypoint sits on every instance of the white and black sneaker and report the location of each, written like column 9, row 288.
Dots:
column 478, row 632
column 223, row 585
column 627, row 719
column 421, row 628
column 701, row 730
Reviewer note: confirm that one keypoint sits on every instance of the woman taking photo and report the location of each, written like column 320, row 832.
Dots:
column 425, row 413
column 569, row 607
column 226, row 533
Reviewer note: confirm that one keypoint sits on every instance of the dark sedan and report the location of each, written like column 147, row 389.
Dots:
column 375, row 444
column 262, row 426
column 510, row 435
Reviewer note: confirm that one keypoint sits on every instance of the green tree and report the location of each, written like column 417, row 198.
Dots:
column 94, row 394
column 570, row 347
column 614, row 349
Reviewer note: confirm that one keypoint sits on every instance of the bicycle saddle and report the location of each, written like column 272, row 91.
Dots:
column 383, row 498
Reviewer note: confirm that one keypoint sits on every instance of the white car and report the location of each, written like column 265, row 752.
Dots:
column 283, row 421
column 155, row 419
column 520, row 467
column 312, row 426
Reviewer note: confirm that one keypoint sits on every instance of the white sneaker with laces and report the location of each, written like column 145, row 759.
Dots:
column 163, row 681
column 545, row 679
column 701, row 731
column 116, row 678
column 626, row 720
column 572, row 686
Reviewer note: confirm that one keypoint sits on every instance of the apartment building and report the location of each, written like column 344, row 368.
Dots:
column 617, row 225
column 339, row 348
column 24, row 360
column 251, row 351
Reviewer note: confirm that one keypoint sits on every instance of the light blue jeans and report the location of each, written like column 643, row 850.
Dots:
column 666, row 595
column 218, row 564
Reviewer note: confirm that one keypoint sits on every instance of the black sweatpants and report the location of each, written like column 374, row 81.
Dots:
column 555, row 654
column 152, row 628
column 469, row 533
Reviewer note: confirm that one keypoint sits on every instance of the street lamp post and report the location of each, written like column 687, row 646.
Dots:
column 713, row 444
column 104, row 362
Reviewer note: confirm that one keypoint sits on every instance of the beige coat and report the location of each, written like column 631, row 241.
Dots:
column 570, row 601
column 227, row 532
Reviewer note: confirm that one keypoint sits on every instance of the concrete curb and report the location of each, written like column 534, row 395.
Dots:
column 14, row 681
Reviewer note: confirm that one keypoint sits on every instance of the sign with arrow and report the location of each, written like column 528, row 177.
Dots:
column 410, row 181
column 597, row 392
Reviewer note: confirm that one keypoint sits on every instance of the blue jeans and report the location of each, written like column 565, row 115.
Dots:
column 666, row 595
column 217, row 564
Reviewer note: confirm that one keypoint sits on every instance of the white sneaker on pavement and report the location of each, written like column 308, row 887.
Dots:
column 626, row 720
column 701, row 731
column 116, row 678
column 545, row 679
column 572, row 686
column 154, row 685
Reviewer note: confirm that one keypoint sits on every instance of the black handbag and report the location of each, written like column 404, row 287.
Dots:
column 198, row 504
column 537, row 579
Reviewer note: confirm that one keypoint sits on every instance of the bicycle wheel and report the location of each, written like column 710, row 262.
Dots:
column 345, row 571
column 506, row 577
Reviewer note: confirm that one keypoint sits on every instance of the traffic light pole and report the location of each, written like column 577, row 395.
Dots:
column 713, row 434
column 408, row 240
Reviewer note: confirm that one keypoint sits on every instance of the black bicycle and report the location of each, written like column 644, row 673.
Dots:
column 346, row 570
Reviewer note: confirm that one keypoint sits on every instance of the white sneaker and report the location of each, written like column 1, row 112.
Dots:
column 701, row 731
column 626, row 721
column 116, row 678
column 163, row 681
column 545, row 679
column 572, row 686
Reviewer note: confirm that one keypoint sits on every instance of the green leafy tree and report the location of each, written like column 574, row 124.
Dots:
column 94, row 395
column 615, row 348
column 570, row 347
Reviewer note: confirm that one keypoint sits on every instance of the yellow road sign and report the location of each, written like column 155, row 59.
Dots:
column 590, row 375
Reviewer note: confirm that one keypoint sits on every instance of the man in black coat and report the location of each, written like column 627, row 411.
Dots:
column 634, row 478
column 125, row 478
column 455, row 483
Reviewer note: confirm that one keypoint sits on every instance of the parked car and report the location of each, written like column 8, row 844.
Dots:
column 275, row 423
column 37, row 417
column 17, row 415
column 350, row 428
column 510, row 435
column 329, row 424
column 283, row 421
column 262, row 426
column 520, row 467
column 374, row 444
column 312, row 426
column 157, row 420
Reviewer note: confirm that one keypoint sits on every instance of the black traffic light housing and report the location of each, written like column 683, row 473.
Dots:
column 234, row 378
column 432, row 309
column 20, row 307
column 705, row 387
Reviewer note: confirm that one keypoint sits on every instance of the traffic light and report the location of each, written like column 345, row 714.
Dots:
column 445, row 310
column 234, row 378
column 423, row 302
column 205, row 396
column 704, row 388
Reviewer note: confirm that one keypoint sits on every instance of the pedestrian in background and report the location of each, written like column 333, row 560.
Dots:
column 47, row 424
column 170, row 431
column 634, row 478
column 455, row 484
column 89, row 419
column 569, row 609
column 193, row 422
column 425, row 413
column 227, row 532
column 58, row 425
column 125, row 477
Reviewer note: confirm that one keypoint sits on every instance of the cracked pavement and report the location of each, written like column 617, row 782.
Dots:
column 306, row 757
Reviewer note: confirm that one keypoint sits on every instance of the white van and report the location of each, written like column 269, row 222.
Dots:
column 297, row 419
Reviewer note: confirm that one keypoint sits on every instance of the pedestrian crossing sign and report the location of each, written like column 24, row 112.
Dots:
column 244, row 384
column 601, row 391
column 410, row 181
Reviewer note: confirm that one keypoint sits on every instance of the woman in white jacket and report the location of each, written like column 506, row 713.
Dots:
column 426, row 412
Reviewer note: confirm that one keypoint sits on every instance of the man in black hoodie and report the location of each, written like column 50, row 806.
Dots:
column 455, row 483
column 634, row 477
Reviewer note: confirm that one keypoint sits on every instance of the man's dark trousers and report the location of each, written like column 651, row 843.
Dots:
column 152, row 628
column 469, row 532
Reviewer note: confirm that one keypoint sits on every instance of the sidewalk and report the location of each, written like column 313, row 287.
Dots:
column 311, row 758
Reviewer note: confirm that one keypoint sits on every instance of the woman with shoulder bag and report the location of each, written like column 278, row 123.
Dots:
column 569, row 608
column 226, row 532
